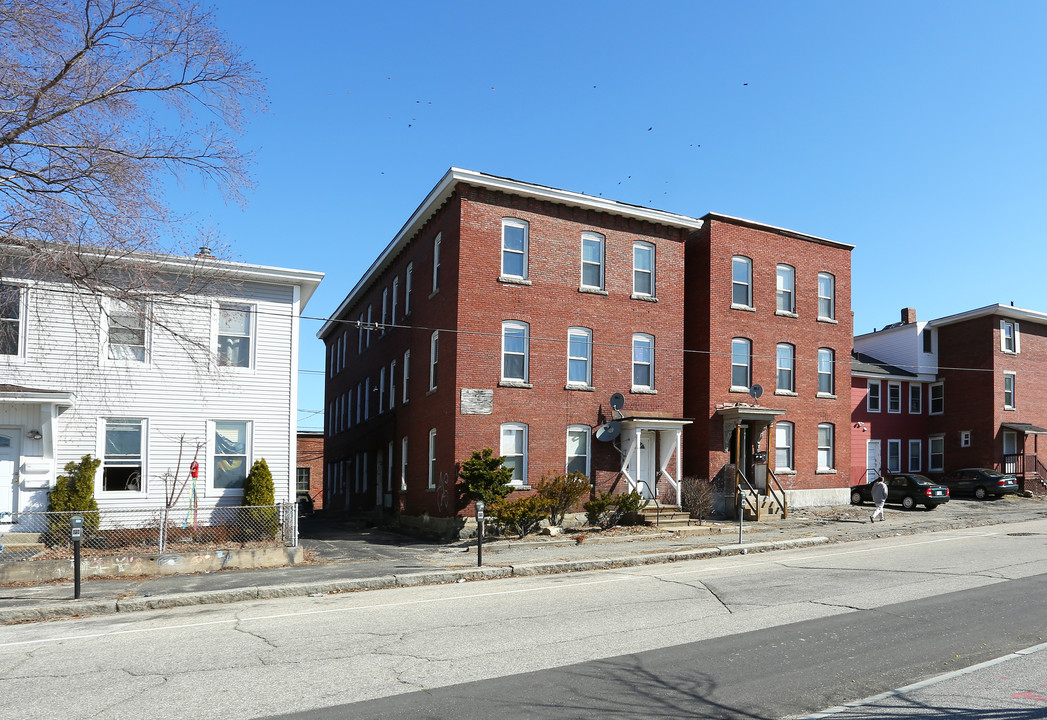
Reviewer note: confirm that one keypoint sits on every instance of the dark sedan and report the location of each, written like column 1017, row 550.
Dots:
column 980, row 482
column 908, row 489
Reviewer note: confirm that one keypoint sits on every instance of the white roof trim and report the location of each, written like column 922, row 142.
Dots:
column 1008, row 311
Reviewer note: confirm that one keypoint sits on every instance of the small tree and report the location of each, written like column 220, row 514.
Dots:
column 484, row 477
column 520, row 515
column 607, row 509
column 259, row 518
column 562, row 493
column 697, row 496
column 74, row 492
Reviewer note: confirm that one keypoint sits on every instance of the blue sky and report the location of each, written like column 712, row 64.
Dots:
column 911, row 130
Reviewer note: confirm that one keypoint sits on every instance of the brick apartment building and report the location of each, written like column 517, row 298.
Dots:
column 506, row 315
column 309, row 472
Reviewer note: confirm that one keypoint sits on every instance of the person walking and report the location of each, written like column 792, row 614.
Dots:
column 879, row 495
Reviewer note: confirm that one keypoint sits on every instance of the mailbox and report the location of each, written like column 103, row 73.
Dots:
column 76, row 527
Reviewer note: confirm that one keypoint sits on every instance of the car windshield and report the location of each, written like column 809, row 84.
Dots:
column 921, row 480
column 992, row 474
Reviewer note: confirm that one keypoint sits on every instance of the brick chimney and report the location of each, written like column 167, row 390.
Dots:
column 908, row 316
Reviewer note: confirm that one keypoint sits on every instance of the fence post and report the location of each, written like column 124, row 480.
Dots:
column 163, row 530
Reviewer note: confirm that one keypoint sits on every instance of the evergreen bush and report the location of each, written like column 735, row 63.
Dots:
column 484, row 477
column 562, row 493
column 521, row 515
column 259, row 518
column 607, row 509
column 74, row 492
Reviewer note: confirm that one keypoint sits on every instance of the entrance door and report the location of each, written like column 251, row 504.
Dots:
column 1010, row 452
column 872, row 460
column 742, row 452
column 645, row 456
column 8, row 465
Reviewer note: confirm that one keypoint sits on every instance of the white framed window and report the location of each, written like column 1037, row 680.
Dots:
column 235, row 335
column 231, row 454
column 936, row 453
column 385, row 309
column 786, row 287
column 643, row 361
column 436, row 263
column 346, row 413
column 12, row 320
column 894, row 397
column 578, row 449
column 1008, row 391
column 370, row 320
column 432, row 458
column 592, row 260
column 826, row 454
column 514, row 450
column 403, row 464
column 301, row 480
column 127, row 333
column 514, row 248
column 643, row 269
column 783, row 446
column 360, row 334
column 937, row 399
column 894, row 456
column 392, row 385
column 381, row 390
column 123, row 455
column 915, row 398
column 359, row 402
column 741, row 364
column 965, row 438
column 872, row 397
column 1010, row 340
column 928, row 341
column 579, row 356
column 408, row 285
column 515, row 351
column 786, row 361
column 434, row 358
column 915, row 455
column 367, row 398
column 741, row 281
column 407, row 374
column 826, row 296
column 396, row 298
column 826, row 371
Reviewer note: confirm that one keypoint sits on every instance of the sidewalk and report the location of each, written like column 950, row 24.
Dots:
column 350, row 560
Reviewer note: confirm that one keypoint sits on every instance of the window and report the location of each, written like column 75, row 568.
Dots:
column 741, row 281
column 578, row 449
column 403, row 463
column 515, row 344
column 643, row 269
column 381, row 390
column 231, row 452
column 436, row 263
column 407, row 372
column 936, row 450
column 826, row 382
column 643, row 361
column 301, row 480
column 408, row 285
column 359, row 402
column 965, row 438
column 385, row 308
column 514, row 450
column 127, row 331
column 592, row 260
column 396, row 297
column 825, row 447
column 915, row 398
column 392, row 384
column 1008, row 391
column 432, row 458
column 10, row 320
column 937, row 400
column 786, row 289
column 915, row 455
column 346, row 413
column 1010, row 341
column 367, row 398
column 741, row 364
column 370, row 318
column 122, row 461
column 579, row 356
column 872, row 399
column 514, row 248
column 786, row 358
column 434, row 357
column 783, row 446
column 360, row 334
column 894, row 456
column 826, row 297
column 234, row 335
column 894, row 397
column 928, row 340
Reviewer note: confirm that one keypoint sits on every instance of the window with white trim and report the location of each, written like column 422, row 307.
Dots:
column 741, row 364
column 783, row 446
column 643, row 269
column 432, row 459
column 872, row 397
column 403, row 463
column 436, row 263
column 515, row 345
column 396, row 298
column 359, row 402
column 592, row 260
column 894, row 456
column 392, row 384
column 915, row 455
column 826, row 455
column 12, row 320
column 1010, row 340
column 514, row 450
column 579, row 356
column 936, row 453
column 123, row 468
column 434, row 357
column 965, row 438
column 928, row 340
column 643, row 361
column 407, row 373
column 385, row 308
column 785, row 360
column 1008, row 391
column 937, row 399
column 514, row 248
column 370, row 319
column 235, row 335
column 360, row 334
column 826, row 296
column 826, row 371
column 741, row 281
column 578, row 449
column 786, row 287
column 301, row 480
column 127, row 333
column 408, row 286
column 915, row 398
column 894, row 397
column 232, row 450
column 381, row 390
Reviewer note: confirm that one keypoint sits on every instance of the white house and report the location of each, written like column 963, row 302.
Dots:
column 204, row 366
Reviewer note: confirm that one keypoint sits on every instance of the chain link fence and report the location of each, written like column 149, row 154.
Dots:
column 47, row 536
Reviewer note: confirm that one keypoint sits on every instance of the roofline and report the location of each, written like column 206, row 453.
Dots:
column 1005, row 310
column 442, row 192
column 62, row 399
column 775, row 229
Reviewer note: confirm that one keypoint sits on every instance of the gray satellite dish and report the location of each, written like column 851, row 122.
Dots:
column 609, row 431
column 756, row 391
column 618, row 401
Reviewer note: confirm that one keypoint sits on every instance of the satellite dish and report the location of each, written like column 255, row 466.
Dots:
column 618, row 401
column 609, row 431
column 756, row 391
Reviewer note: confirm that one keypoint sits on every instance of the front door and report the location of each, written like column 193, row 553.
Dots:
column 1010, row 452
column 742, row 452
column 645, row 471
column 872, row 460
column 8, row 466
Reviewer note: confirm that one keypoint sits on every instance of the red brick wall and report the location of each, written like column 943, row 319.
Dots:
column 884, row 426
column 311, row 456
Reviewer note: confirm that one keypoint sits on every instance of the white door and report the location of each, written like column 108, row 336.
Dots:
column 872, row 460
column 645, row 457
column 8, row 466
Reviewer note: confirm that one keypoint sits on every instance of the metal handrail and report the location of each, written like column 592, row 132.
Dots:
column 657, row 505
column 783, row 501
column 755, row 506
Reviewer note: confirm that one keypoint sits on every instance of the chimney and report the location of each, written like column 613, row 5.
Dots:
column 908, row 316
column 205, row 252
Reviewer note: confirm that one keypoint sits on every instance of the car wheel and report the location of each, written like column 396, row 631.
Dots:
column 908, row 502
column 931, row 507
column 980, row 494
column 856, row 498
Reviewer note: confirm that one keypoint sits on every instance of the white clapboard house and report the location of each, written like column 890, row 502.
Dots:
column 202, row 363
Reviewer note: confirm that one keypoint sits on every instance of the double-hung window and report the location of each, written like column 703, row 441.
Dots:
column 826, row 296
column 786, row 355
column 936, row 453
column 1008, row 391
column 434, row 357
column 786, row 289
column 578, row 449
column 231, row 452
column 436, row 263
column 826, row 457
column 894, row 397
column 894, row 456
column 937, row 399
column 579, row 356
column 11, row 320
column 408, row 286
column 915, row 455
column 741, row 282
column 127, row 330
column 643, row 362
column 514, row 450
column 235, row 331
column 515, row 342
column 1010, row 341
column 432, row 458
column 122, row 461
column 741, row 364
column 826, row 380
column 407, row 373
column 783, row 446
column 396, row 298
column 592, row 261
column 915, row 398
column 385, row 308
column 872, row 397
column 643, row 269
column 514, row 248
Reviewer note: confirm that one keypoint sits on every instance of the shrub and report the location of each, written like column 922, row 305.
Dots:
column 259, row 519
column 607, row 509
column 629, row 506
column 484, row 477
column 74, row 492
column 697, row 496
column 562, row 494
column 520, row 515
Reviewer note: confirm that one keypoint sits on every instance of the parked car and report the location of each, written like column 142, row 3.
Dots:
column 980, row 482
column 908, row 489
